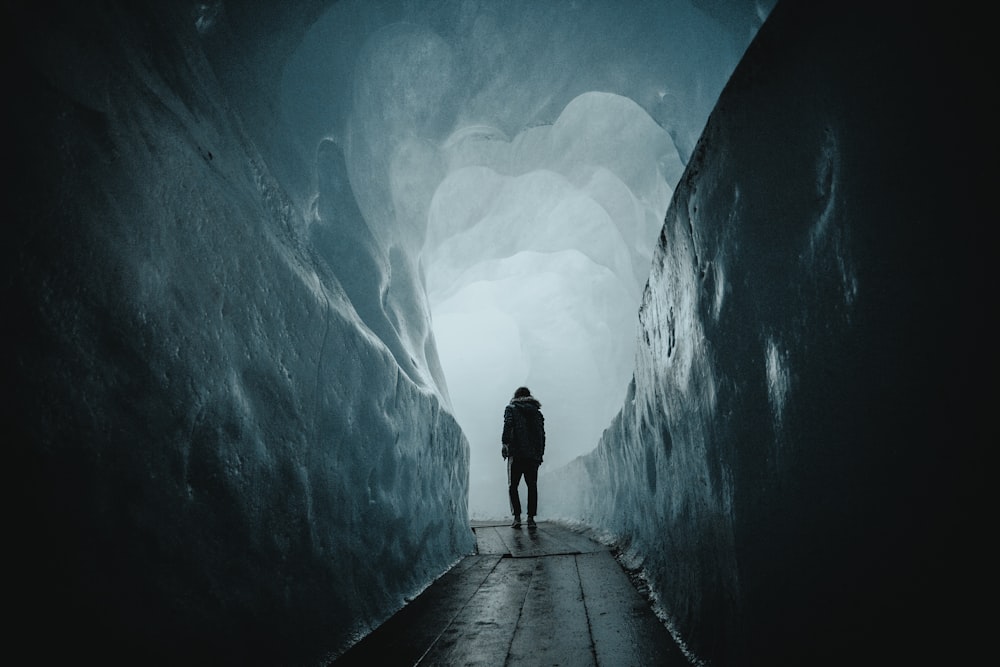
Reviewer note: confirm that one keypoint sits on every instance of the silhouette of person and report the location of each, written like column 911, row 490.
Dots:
column 523, row 448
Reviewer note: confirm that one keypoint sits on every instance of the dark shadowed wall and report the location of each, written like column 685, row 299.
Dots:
column 805, row 427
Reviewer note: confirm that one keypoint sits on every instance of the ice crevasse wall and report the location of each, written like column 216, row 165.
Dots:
column 224, row 454
column 231, row 433
column 797, row 467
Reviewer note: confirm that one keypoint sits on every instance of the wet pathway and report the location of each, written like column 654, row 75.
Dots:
column 538, row 596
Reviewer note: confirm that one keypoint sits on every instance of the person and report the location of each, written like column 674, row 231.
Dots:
column 523, row 447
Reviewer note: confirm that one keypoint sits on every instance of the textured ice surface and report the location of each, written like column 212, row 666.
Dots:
column 232, row 442
column 785, row 469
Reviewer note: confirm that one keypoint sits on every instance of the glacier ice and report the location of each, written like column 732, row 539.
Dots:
column 269, row 256
column 794, row 467
column 235, row 435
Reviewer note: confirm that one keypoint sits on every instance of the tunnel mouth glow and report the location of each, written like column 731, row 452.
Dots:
column 535, row 255
column 503, row 172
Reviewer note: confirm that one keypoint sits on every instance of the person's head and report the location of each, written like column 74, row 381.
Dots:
column 521, row 392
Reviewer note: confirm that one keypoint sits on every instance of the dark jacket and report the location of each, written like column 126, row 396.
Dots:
column 524, row 429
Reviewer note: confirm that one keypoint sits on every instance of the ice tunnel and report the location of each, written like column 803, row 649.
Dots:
column 275, row 269
column 532, row 208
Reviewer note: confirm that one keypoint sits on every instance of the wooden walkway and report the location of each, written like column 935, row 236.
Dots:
column 538, row 596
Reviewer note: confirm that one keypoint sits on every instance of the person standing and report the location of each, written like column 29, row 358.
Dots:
column 523, row 448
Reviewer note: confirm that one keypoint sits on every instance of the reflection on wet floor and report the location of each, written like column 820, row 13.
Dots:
column 529, row 596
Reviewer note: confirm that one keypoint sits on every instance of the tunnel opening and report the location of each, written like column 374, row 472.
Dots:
column 535, row 258
column 525, row 172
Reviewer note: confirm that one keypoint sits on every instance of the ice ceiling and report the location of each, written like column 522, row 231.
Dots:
column 526, row 152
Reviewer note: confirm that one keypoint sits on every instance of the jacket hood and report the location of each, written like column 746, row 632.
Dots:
column 526, row 401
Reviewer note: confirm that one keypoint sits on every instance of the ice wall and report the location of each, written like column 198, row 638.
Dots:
column 224, row 451
column 797, row 466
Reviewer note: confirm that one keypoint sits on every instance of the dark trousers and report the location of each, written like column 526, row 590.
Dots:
column 516, row 468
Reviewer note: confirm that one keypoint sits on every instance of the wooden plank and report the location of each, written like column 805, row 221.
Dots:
column 494, row 610
column 482, row 631
column 573, row 542
column 547, row 539
column 527, row 542
column 409, row 633
column 524, row 543
column 553, row 628
column 626, row 632
column 488, row 541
